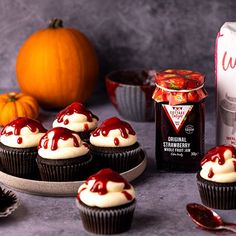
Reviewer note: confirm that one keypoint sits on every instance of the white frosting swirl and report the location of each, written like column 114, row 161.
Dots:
column 27, row 137
column 66, row 149
column 76, row 122
column 109, row 140
column 114, row 196
column 221, row 173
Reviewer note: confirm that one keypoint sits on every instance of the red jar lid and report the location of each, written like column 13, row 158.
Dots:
column 179, row 86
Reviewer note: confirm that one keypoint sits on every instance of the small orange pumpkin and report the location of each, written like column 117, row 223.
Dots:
column 13, row 105
column 57, row 66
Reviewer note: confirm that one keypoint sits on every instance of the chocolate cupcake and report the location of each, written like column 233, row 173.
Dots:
column 106, row 202
column 217, row 179
column 19, row 141
column 114, row 145
column 77, row 118
column 62, row 156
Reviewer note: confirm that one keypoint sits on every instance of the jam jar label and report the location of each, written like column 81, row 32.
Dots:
column 177, row 114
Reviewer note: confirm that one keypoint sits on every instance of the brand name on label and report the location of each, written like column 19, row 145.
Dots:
column 177, row 114
column 228, row 62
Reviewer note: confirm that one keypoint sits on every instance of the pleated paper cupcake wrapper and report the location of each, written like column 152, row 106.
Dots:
column 133, row 105
column 119, row 162
column 85, row 135
column 56, row 172
column 219, row 197
column 106, row 221
column 20, row 163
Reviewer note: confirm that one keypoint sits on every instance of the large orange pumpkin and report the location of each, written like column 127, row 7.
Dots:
column 13, row 105
column 57, row 66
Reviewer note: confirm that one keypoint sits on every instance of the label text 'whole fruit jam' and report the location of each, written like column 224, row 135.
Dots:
column 180, row 119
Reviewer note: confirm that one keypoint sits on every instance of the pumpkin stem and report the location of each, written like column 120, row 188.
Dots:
column 55, row 23
column 12, row 97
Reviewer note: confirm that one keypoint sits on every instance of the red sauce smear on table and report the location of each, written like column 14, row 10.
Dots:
column 112, row 124
column 101, row 179
column 75, row 107
column 20, row 123
column 59, row 133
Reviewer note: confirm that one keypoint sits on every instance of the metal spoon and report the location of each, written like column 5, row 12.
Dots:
column 207, row 218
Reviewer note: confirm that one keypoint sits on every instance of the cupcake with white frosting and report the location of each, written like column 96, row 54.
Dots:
column 106, row 202
column 18, row 143
column 77, row 118
column 114, row 145
column 217, row 178
column 62, row 156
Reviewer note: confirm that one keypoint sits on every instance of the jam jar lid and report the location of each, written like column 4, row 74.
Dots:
column 179, row 86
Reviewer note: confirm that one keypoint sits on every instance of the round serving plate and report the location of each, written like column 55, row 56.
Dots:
column 46, row 188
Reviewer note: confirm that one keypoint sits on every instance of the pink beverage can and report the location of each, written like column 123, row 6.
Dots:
column 225, row 70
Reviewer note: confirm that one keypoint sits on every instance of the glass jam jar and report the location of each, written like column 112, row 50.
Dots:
column 180, row 119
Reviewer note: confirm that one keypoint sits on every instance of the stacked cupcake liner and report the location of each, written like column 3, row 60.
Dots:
column 217, row 196
column 133, row 104
column 20, row 163
column 107, row 221
column 119, row 162
column 85, row 135
column 64, row 170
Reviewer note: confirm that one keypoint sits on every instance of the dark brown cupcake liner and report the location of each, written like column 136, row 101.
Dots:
column 85, row 135
column 64, row 170
column 217, row 195
column 120, row 162
column 107, row 221
column 20, row 162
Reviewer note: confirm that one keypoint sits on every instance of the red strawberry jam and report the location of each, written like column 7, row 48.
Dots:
column 180, row 118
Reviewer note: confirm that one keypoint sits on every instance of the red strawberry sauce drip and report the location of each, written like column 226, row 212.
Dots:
column 234, row 162
column 59, row 133
column 75, row 107
column 116, row 141
column 21, row 122
column 211, row 173
column 86, row 127
column 217, row 154
column 112, row 124
column 101, row 179
column 19, row 140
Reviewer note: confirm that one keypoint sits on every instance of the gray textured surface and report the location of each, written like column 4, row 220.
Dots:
column 161, row 197
column 152, row 34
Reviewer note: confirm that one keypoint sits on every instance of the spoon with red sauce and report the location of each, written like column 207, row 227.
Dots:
column 206, row 218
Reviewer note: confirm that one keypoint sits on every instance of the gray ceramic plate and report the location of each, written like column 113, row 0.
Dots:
column 46, row 188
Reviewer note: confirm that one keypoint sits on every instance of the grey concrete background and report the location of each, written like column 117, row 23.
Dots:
column 126, row 33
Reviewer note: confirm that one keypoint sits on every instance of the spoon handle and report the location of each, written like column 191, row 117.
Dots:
column 230, row 224
column 231, row 228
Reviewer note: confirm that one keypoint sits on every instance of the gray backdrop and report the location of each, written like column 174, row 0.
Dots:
column 126, row 33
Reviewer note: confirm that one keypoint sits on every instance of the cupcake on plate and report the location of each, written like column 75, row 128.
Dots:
column 62, row 156
column 114, row 145
column 77, row 118
column 217, row 179
column 106, row 202
column 19, row 141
